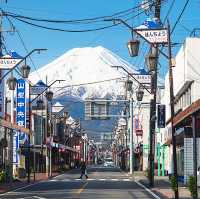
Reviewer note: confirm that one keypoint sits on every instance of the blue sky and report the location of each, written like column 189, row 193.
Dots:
column 114, row 39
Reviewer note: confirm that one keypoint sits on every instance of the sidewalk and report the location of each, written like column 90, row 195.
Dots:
column 162, row 186
column 23, row 182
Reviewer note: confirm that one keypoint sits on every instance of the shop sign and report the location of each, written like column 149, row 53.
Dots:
column 154, row 36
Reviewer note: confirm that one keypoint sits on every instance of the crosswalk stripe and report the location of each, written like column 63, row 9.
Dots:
column 92, row 179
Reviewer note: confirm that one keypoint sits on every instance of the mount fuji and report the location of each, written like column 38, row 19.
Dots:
column 88, row 73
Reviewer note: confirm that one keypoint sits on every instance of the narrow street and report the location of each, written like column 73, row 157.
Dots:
column 103, row 183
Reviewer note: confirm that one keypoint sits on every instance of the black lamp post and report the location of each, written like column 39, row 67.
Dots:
column 133, row 47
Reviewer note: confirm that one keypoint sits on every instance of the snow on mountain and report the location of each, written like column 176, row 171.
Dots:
column 87, row 72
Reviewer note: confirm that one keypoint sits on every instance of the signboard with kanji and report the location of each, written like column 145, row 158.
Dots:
column 161, row 116
column 154, row 36
column 10, row 60
column 21, row 107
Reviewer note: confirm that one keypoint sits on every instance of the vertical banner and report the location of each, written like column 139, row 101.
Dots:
column 161, row 116
column 1, row 95
column 15, row 147
column 21, row 108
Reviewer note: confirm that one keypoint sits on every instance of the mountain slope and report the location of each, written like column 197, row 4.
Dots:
column 82, row 69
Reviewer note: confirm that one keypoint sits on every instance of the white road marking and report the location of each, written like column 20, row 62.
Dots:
column 148, row 190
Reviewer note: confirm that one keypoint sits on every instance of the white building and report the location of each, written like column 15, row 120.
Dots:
column 186, row 76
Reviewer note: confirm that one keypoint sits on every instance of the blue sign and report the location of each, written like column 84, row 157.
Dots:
column 21, row 107
column 15, row 147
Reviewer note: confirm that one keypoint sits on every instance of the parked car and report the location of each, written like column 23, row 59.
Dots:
column 108, row 162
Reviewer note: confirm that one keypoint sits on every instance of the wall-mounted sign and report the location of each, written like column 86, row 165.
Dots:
column 21, row 107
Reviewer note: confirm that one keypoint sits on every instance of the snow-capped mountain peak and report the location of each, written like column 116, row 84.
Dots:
column 87, row 72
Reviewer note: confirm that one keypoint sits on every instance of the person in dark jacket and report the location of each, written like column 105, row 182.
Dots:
column 83, row 170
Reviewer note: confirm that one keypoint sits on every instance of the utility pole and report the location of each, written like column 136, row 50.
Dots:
column 171, row 87
column 153, row 104
column 131, row 136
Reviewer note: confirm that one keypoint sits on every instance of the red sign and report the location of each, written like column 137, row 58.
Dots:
column 139, row 132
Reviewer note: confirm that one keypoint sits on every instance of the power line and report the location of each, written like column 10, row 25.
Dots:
column 127, row 11
column 74, row 31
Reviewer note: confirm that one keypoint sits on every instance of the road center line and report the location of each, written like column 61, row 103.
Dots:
column 82, row 188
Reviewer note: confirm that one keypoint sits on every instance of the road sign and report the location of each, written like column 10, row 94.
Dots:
column 161, row 116
column 154, row 36
column 10, row 60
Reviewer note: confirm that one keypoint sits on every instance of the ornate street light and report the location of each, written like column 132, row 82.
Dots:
column 133, row 47
column 11, row 81
column 49, row 95
column 139, row 94
column 150, row 61
column 25, row 70
column 129, row 85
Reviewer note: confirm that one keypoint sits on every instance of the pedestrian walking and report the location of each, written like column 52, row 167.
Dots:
column 83, row 170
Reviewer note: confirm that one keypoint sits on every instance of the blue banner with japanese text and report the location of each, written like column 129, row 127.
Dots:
column 21, row 107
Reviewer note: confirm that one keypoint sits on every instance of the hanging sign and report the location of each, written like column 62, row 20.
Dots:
column 10, row 60
column 38, row 88
column 21, row 107
column 154, row 36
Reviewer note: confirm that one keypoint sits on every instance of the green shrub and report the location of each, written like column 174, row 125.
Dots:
column 173, row 183
column 191, row 184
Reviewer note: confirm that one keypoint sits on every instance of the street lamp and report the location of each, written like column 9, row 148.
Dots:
column 129, row 85
column 49, row 95
column 25, row 70
column 150, row 61
column 133, row 47
column 11, row 81
column 139, row 94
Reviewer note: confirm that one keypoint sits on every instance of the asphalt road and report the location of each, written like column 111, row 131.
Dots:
column 103, row 183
